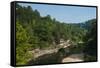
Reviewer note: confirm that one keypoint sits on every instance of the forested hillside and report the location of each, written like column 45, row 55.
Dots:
column 36, row 32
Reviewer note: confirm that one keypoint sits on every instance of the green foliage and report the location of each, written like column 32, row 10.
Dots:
column 22, row 47
column 34, row 31
column 91, row 42
column 21, row 34
column 22, row 54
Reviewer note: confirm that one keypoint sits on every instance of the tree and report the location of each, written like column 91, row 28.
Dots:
column 35, row 31
column 22, row 46
column 91, row 42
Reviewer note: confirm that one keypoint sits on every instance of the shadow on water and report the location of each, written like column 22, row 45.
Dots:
column 52, row 58
column 46, row 59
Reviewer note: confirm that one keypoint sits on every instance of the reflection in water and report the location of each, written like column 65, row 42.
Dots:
column 46, row 59
column 52, row 58
column 61, row 56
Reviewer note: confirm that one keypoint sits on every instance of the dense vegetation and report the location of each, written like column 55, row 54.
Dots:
column 34, row 31
column 91, row 42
